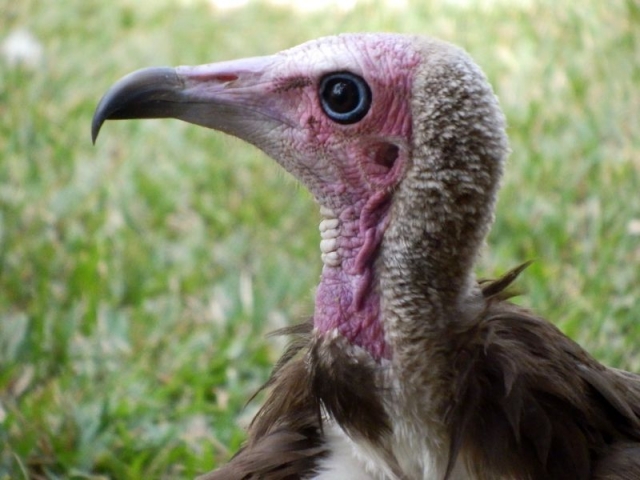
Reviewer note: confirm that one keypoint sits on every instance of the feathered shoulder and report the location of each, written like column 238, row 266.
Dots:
column 528, row 402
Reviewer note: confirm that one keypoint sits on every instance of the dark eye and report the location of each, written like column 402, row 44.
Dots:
column 345, row 97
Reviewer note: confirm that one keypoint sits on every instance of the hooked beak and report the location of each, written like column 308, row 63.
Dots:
column 229, row 96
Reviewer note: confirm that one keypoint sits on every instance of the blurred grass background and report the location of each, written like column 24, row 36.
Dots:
column 138, row 277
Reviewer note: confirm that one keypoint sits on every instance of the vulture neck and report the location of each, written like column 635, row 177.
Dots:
column 441, row 211
column 413, row 271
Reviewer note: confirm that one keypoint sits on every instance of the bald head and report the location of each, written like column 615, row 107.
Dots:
column 375, row 126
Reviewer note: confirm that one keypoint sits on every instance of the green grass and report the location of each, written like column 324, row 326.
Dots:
column 138, row 277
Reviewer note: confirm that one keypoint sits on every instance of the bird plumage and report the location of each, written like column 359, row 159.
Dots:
column 409, row 368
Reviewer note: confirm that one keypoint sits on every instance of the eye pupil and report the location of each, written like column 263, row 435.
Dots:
column 345, row 97
column 342, row 97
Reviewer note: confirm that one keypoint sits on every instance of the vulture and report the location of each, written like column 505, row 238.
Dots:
column 410, row 368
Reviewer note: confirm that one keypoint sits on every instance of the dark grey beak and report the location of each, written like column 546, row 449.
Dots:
column 148, row 93
column 232, row 97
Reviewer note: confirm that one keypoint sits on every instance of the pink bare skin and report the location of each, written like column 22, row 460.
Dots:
column 362, row 163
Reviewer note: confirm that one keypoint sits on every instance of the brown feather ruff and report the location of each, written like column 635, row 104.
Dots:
column 622, row 462
column 530, row 403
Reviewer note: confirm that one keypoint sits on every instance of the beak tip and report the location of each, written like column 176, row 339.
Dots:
column 100, row 115
column 96, row 124
column 147, row 93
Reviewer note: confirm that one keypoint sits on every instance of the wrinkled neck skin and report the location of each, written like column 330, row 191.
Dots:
column 348, row 298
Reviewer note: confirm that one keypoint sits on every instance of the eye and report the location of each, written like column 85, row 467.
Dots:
column 344, row 97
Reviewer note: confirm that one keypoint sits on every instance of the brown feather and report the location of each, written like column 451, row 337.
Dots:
column 530, row 403
column 499, row 289
column 621, row 462
column 284, row 439
column 346, row 388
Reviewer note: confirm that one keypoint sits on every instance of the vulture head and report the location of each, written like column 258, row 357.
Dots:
column 399, row 139
column 410, row 368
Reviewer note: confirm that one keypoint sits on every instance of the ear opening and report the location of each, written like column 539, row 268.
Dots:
column 386, row 161
column 386, row 155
